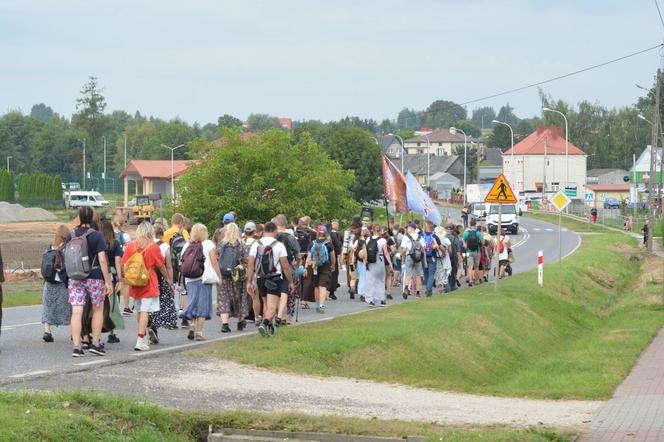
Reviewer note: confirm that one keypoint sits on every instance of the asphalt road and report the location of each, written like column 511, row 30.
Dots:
column 24, row 355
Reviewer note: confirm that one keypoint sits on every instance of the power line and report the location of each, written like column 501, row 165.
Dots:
column 559, row 77
column 659, row 12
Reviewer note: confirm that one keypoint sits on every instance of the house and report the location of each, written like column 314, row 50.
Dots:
column 441, row 142
column 596, row 194
column 640, row 174
column 492, row 155
column 417, row 165
column 539, row 163
column 607, row 176
column 390, row 145
column 286, row 123
column 153, row 176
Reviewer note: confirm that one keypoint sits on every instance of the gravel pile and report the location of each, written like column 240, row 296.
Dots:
column 12, row 213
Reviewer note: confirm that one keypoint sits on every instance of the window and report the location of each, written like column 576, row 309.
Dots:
column 440, row 152
column 440, row 144
column 419, row 144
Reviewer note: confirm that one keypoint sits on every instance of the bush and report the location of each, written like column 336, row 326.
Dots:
column 39, row 186
column 6, row 186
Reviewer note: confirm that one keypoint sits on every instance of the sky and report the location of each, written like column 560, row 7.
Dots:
column 320, row 59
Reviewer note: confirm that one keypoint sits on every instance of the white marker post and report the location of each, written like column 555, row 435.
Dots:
column 540, row 268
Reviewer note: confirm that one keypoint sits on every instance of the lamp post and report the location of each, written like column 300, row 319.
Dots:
column 8, row 158
column 84, row 174
column 513, row 168
column 104, row 174
column 403, row 149
column 546, row 109
column 453, row 131
column 172, row 149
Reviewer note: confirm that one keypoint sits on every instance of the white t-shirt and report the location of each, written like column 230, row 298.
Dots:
column 208, row 246
column 382, row 243
column 278, row 250
column 506, row 244
column 407, row 241
column 163, row 247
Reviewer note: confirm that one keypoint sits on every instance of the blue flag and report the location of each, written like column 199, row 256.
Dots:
column 419, row 201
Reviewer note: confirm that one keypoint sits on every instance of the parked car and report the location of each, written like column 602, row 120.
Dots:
column 85, row 198
column 611, row 203
column 640, row 205
column 478, row 210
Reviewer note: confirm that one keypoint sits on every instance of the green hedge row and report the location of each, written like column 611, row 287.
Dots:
column 6, row 186
column 39, row 186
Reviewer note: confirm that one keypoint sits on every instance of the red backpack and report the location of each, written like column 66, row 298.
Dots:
column 193, row 261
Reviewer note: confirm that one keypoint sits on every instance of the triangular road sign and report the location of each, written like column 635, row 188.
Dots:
column 501, row 192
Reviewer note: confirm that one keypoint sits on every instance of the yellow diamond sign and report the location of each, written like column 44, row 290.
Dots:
column 560, row 201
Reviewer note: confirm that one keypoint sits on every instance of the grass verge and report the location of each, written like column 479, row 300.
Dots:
column 21, row 293
column 84, row 417
column 575, row 338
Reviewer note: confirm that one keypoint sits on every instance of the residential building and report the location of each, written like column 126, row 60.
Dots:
column 417, row 165
column 596, row 194
column 443, row 184
column 640, row 174
column 286, row 123
column 153, row 176
column 540, row 163
column 390, row 145
column 441, row 143
column 607, row 176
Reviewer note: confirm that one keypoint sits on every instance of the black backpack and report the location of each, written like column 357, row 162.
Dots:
column 372, row 251
column 265, row 268
column 416, row 249
column 304, row 238
column 177, row 244
column 292, row 245
column 473, row 241
column 227, row 256
column 52, row 264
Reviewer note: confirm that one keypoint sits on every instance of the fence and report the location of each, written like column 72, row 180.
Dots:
column 607, row 217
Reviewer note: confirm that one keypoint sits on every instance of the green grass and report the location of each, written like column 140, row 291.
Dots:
column 85, row 416
column 20, row 293
column 577, row 337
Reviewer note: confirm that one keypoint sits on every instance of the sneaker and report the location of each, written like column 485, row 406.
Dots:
column 199, row 337
column 85, row 345
column 113, row 339
column 264, row 330
column 97, row 349
column 321, row 308
column 389, row 296
column 185, row 323
column 127, row 312
column 48, row 337
column 258, row 321
column 241, row 325
column 141, row 344
column 277, row 322
column 383, row 304
column 429, row 294
column 77, row 353
column 333, row 297
column 362, row 298
column 404, row 295
column 271, row 329
column 371, row 304
column 154, row 335
column 190, row 334
column 352, row 296
column 225, row 328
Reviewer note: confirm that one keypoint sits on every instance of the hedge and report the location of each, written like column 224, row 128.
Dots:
column 39, row 186
column 6, row 186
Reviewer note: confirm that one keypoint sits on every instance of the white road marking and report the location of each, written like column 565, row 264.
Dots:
column 30, row 373
column 524, row 239
column 575, row 248
column 536, row 229
column 549, row 230
column 13, row 326
column 96, row 361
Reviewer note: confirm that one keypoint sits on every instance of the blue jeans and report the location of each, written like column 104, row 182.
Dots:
column 451, row 281
column 430, row 273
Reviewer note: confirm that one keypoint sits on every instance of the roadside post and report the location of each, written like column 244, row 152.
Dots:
column 560, row 201
column 500, row 193
column 540, row 268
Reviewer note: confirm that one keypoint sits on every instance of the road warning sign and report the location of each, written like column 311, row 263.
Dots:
column 501, row 192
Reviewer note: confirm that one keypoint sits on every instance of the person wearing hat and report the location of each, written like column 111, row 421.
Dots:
column 321, row 262
column 249, row 238
column 412, row 255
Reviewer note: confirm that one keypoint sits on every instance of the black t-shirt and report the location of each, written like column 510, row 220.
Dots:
column 111, row 254
column 96, row 244
column 330, row 250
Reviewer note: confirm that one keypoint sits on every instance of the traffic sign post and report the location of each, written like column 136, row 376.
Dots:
column 500, row 193
column 560, row 201
column 540, row 268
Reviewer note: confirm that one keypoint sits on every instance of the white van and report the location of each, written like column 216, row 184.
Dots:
column 82, row 198
column 509, row 218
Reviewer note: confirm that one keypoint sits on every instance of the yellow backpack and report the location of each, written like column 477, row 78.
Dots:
column 136, row 274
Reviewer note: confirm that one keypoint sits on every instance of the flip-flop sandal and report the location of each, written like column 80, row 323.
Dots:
column 304, row 306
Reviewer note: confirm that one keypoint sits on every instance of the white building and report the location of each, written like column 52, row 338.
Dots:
column 441, row 142
column 539, row 162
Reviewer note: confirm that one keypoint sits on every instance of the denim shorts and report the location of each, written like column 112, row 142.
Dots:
column 147, row 305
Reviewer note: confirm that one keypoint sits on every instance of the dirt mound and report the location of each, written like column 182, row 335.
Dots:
column 12, row 213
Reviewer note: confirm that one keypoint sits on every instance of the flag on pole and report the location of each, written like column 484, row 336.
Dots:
column 419, row 201
column 394, row 185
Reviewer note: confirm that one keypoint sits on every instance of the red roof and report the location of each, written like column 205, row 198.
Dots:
column 608, row 187
column 533, row 144
column 156, row 168
column 286, row 123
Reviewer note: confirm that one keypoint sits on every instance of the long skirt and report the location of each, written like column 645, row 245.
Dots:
column 443, row 271
column 374, row 281
column 232, row 298
column 361, row 278
column 167, row 316
column 56, row 309
column 200, row 300
column 308, row 287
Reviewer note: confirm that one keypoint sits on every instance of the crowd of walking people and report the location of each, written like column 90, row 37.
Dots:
column 97, row 275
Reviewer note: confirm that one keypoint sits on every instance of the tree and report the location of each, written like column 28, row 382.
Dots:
column 387, row 126
column 409, row 119
column 228, row 121
column 368, row 124
column 262, row 122
column 41, row 112
column 443, row 113
column 471, row 160
column 91, row 120
column 483, row 116
column 468, row 127
column 500, row 137
column 506, row 115
column 356, row 150
column 305, row 181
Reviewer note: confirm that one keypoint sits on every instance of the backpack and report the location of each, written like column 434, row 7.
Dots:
column 304, row 239
column 120, row 236
column 416, row 249
column 77, row 259
column 177, row 244
column 372, row 251
column 473, row 241
column 361, row 250
column 265, row 268
column 193, row 261
column 292, row 245
column 136, row 273
column 453, row 250
column 501, row 248
column 52, row 263
column 319, row 253
column 227, row 255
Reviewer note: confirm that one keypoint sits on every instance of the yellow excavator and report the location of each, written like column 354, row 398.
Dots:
column 142, row 210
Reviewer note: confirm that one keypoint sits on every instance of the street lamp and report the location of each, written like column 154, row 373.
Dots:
column 172, row 149
column 8, row 158
column 403, row 149
column 84, row 175
column 513, row 168
column 453, row 131
column 546, row 109
column 103, row 137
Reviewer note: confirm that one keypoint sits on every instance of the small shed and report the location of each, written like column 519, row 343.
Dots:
column 153, row 176
column 443, row 183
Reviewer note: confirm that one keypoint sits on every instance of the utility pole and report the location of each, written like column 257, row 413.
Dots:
column 125, row 152
column 544, row 174
column 653, row 160
column 478, row 161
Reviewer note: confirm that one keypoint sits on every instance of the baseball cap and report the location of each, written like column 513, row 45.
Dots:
column 250, row 227
column 321, row 229
column 229, row 218
column 412, row 225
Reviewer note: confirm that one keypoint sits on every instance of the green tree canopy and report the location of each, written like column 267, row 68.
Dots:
column 264, row 176
column 228, row 121
column 482, row 117
column 443, row 113
column 262, row 122
column 41, row 112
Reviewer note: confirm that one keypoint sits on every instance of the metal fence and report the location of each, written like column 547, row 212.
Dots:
column 608, row 217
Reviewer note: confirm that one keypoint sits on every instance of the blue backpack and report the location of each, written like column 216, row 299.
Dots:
column 319, row 253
